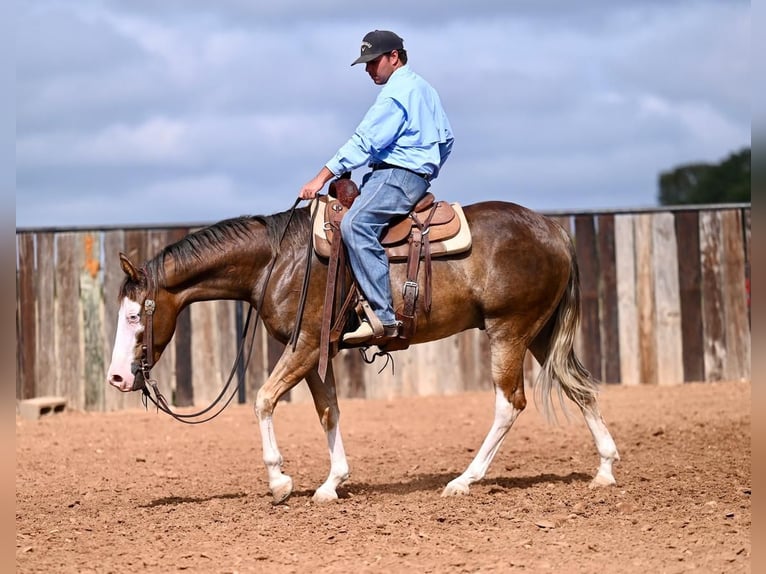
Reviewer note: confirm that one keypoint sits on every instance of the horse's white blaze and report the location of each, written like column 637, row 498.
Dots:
column 128, row 328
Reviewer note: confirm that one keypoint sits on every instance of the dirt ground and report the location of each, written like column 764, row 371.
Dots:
column 137, row 491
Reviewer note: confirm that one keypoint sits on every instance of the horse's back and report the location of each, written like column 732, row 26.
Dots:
column 500, row 226
column 518, row 265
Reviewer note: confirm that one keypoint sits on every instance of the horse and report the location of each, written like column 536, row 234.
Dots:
column 519, row 282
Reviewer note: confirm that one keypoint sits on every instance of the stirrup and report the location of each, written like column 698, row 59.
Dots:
column 362, row 333
column 366, row 334
column 365, row 312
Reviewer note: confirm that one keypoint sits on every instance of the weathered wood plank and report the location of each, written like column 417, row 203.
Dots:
column 474, row 360
column 610, row 343
column 587, row 256
column 711, row 251
column 184, row 375
column 27, row 319
column 348, row 368
column 91, row 305
column 205, row 361
column 387, row 384
column 647, row 342
column 68, row 319
column 631, row 294
column 667, row 308
column 737, row 358
column 690, row 291
column 177, row 359
column 19, row 348
column 228, row 339
column 439, row 368
column 627, row 299
column 257, row 370
column 405, row 373
column 157, row 240
column 165, row 369
column 746, row 225
column 46, row 327
column 135, row 245
column 114, row 243
column 567, row 224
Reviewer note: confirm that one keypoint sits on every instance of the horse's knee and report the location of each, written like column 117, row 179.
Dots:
column 518, row 399
column 329, row 419
column 264, row 405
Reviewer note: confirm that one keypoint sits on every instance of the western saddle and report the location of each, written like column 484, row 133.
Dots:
column 432, row 229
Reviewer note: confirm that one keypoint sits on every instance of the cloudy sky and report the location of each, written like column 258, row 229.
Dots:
column 146, row 111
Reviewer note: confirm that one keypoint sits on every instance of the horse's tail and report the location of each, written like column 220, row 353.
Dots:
column 561, row 370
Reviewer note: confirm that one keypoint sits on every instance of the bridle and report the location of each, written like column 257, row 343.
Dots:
column 227, row 394
column 147, row 362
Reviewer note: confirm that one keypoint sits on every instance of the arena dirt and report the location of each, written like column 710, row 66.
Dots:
column 137, row 491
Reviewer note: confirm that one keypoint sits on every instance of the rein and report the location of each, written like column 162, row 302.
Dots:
column 147, row 354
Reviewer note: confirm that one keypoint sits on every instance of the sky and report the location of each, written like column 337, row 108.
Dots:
column 146, row 112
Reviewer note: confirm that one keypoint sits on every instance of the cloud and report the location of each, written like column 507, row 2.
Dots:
column 553, row 104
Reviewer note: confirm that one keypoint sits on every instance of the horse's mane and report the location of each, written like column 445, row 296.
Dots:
column 186, row 252
column 297, row 234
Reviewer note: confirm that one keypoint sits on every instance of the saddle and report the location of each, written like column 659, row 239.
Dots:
column 448, row 231
column 432, row 229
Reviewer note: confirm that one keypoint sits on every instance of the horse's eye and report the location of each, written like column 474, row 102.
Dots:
column 133, row 318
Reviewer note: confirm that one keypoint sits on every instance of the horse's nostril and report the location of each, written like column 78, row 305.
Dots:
column 115, row 379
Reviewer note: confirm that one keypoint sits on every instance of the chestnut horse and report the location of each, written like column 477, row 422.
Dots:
column 519, row 282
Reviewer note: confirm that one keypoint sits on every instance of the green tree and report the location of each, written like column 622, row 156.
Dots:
column 724, row 182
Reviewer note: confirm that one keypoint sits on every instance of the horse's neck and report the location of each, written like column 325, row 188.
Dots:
column 229, row 274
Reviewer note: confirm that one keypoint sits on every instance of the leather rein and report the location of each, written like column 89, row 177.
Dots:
column 222, row 400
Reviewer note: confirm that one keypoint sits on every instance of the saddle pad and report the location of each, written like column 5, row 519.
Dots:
column 458, row 242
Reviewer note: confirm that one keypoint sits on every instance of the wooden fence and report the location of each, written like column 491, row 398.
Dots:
column 665, row 299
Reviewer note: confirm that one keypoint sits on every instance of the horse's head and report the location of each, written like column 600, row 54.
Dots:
column 145, row 324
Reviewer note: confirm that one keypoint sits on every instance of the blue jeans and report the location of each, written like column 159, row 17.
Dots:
column 384, row 195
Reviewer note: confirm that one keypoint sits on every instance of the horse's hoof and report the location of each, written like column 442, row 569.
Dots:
column 323, row 495
column 455, row 488
column 602, row 480
column 281, row 489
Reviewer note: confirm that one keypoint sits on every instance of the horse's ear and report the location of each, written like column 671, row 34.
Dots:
column 128, row 267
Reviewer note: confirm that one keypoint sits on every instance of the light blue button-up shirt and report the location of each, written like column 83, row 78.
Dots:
column 406, row 126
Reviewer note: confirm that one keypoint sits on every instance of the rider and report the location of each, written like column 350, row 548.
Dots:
column 405, row 138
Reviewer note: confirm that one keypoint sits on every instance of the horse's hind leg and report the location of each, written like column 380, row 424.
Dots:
column 607, row 449
column 605, row 445
column 326, row 404
column 508, row 377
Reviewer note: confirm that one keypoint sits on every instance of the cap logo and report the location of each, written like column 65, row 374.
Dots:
column 366, row 46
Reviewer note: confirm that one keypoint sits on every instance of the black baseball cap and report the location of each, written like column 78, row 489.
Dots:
column 376, row 43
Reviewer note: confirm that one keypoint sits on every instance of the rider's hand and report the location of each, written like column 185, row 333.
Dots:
column 310, row 190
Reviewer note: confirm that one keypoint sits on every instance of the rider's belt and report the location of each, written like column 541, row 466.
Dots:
column 383, row 165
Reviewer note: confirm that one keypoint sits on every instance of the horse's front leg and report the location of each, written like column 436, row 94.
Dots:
column 326, row 404
column 289, row 370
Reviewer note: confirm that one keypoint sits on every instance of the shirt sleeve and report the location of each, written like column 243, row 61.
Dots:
column 380, row 126
column 445, row 149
